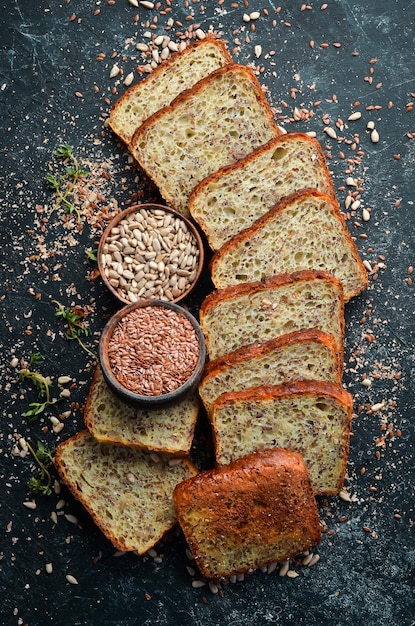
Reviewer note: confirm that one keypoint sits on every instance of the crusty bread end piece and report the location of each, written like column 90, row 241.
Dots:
column 301, row 355
column 312, row 418
column 219, row 120
column 180, row 72
column 232, row 198
column 167, row 429
column 305, row 230
column 128, row 493
column 256, row 511
column 250, row 312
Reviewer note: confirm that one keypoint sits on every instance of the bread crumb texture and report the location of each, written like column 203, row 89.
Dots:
column 246, row 313
column 169, row 79
column 233, row 198
column 220, row 120
column 308, row 417
column 303, row 231
column 301, row 355
column 167, row 429
column 127, row 492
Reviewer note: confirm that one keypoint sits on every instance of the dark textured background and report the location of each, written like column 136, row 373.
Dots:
column 365, row 575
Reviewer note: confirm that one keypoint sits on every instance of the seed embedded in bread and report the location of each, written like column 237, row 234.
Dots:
column 312, row 418
column 220, row 120
column 244, row 314
column 304, row 231
column 302, row 355
column 235, row 196
column 256, row 511
column 169, row 79
column 128, row 493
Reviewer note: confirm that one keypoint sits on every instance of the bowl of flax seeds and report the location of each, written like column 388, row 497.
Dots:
column 150, row 251
column 152, row 353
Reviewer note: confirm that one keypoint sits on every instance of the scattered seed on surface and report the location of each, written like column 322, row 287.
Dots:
column 129, row 79
column 30, row 504
column 354, row 116
column 345, row 496
column 377, row 407
column 374, row 136
column 197, row 584
column 71, row 579
column 365, row 215
column 258, row 51
column 330, row 132
column 115, row 70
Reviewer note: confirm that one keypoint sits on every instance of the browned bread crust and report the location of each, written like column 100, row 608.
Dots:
column 161, row 72
column 306, row 230
column 127, row 492
column 246, row 353
column 232, row 198
column 312, row 418
column 204, row 128
column 308, row 354
column 238, row 297
column 258, row 510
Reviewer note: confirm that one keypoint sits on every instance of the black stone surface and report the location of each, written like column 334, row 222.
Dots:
column 365, row 576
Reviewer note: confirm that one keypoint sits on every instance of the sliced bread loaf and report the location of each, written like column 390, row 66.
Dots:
column 128, row 493
column 168, row 429
column 180, row 72
column 244, row 314
column 232, row 198
column 302, row 355
column 216, row 122
column 309, row 417
column 255, row 511
column 305, row 230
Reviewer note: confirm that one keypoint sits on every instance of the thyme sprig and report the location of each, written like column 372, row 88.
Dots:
column 76, row 326
column 42, row 383
column 42, row 481
column 64, row 187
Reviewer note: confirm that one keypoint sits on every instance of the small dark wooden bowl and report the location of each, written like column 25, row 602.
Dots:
column 149, row 207
column 150, row 401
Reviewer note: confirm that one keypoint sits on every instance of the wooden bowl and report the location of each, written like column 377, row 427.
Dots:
column 148, row 261
column 152, row 353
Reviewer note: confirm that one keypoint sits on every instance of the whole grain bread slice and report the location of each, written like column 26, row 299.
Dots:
column 301, row 355
column 127, row 492
column 305, row 230
column 219, row 120
column 255, row 312
column 257, row 510
column 309, row 417
column 168, row 429
column 235, row 196
column 180, row 72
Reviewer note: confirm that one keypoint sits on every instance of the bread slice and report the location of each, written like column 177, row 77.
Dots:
column 128, row 493
column 255, row 312
column 234, row 197
column 258, row 510
column 306, row 230
column 216, row 122
column 309, row 417
column 179, row 73
column 168, row 429
column 302, row 355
